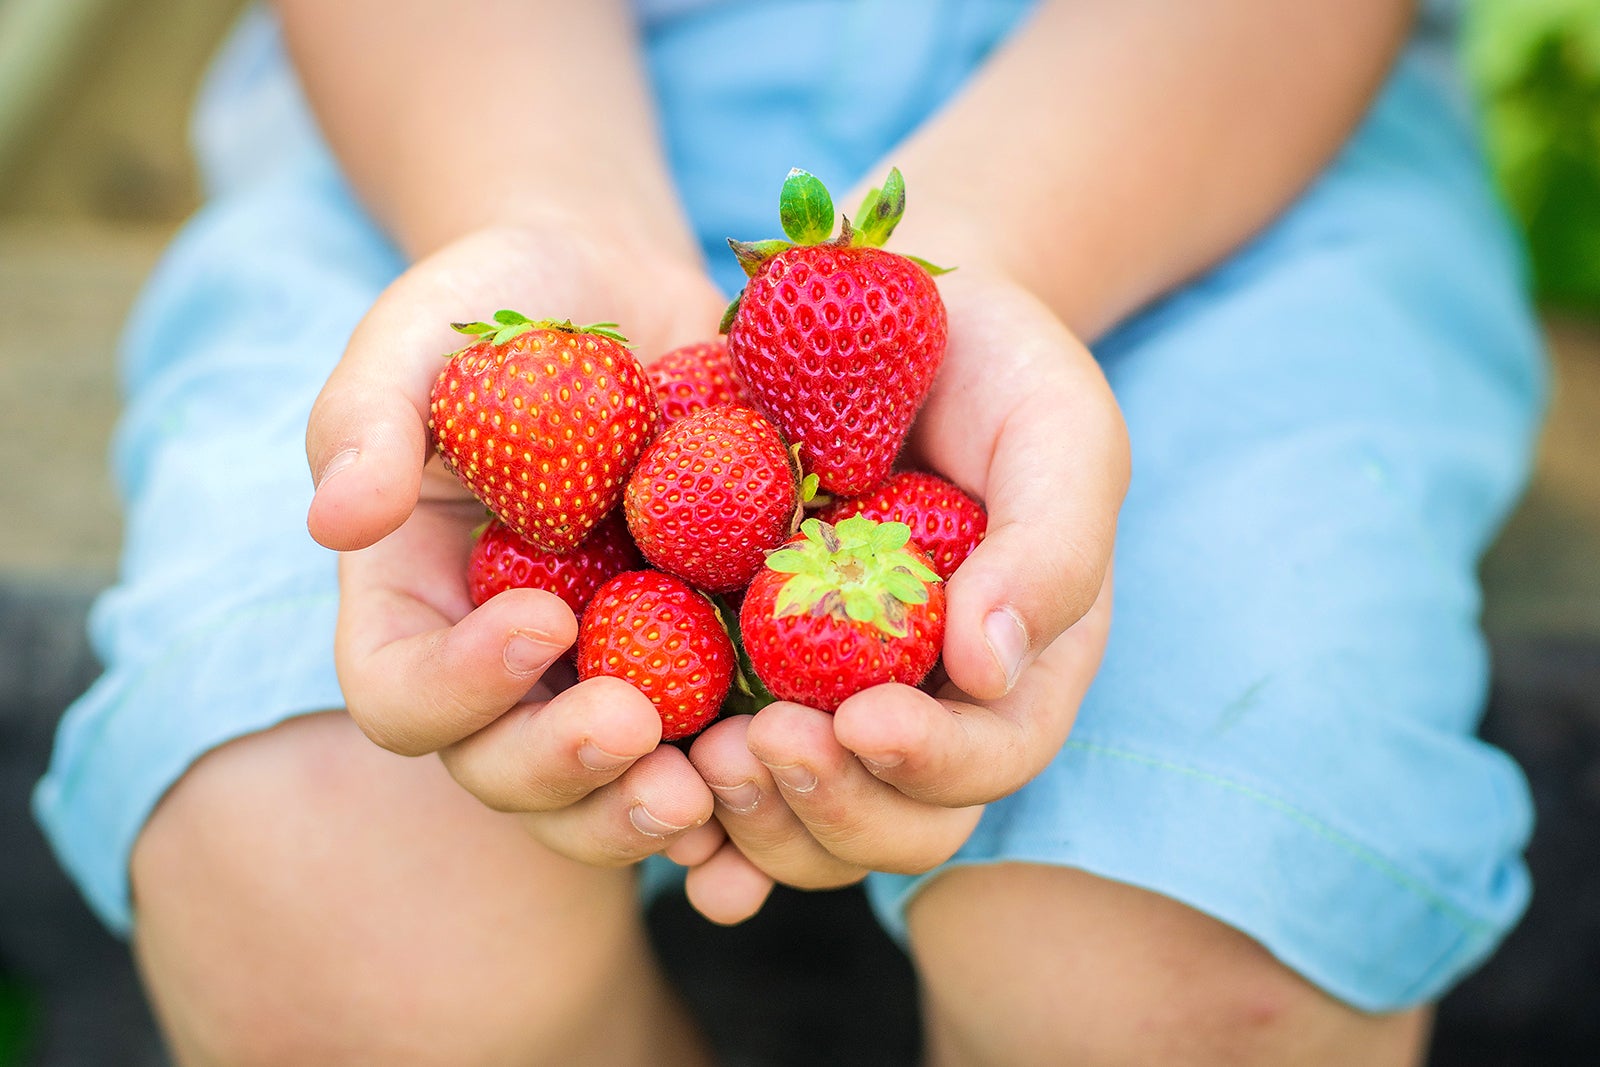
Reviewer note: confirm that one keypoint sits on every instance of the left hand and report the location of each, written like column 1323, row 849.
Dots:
column 1022, row 418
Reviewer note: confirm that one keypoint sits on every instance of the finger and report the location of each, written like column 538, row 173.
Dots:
column 753, row 810
column 420, row 668
column 1037, row 435
column 727, row 888
column 859, row 820
column 540, row 757
column 697, row 845
column 655, row 802
column 367, row 438
column 954, row 753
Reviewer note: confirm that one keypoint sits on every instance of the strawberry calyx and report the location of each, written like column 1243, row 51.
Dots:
column 805, row 208
column 861, row 569
column 508, row 324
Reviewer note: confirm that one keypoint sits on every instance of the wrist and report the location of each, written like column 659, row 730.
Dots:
column 658, row 236
column 986, row 243
column 560, row 267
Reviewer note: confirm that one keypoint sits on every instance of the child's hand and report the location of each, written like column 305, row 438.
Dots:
column 895, row 780
column 424, row 671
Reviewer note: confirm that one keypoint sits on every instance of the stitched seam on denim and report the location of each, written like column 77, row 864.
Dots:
column 195, row 636
column 1366, row 855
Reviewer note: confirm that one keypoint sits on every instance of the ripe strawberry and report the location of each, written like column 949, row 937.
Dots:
column 837, row 339
column 841, row 608
column 667, row 640
column 502, row 559
column 945, row 523
column 542, row 421
column 712, row 495
column 695, row 377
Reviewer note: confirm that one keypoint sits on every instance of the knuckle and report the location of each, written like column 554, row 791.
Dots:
column 855, row 842
column 822, row 875
column 382, row 731
column 1073, row 577
column 503, row 786
column 609, row 851
column 913, row 865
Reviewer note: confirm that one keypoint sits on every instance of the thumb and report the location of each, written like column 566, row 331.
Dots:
column 367, row 437
column 1052, row 478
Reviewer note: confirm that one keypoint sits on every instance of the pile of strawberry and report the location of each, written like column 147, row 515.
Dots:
column 755, row 470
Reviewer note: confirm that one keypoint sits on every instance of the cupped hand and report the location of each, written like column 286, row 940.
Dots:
column 1022, row 418
column 423, row 670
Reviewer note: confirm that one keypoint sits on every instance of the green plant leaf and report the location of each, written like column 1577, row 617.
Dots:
column 904, row 587
column 857, row 532
column 860, row 605
column 888, row 536
column 1536, row 65
column 882, row 211
column 869, row 203
column 728, row 315
column 805, row 208
column 787, row 561
column 753, row 255
column 799, row 595
column 932, row 268
column 506, row 333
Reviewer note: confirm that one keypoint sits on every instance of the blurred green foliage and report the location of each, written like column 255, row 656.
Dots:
column 16, row 1010
column 1536, row 64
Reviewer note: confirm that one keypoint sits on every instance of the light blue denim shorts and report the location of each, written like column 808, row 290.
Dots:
column 1327, row 429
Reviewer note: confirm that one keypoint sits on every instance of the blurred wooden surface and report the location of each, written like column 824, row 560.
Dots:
column 1543, row 576
column 65, row 287
column 111, row 140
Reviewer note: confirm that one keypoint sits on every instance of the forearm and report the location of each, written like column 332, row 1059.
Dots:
column 1112, row 150
column 450, row 117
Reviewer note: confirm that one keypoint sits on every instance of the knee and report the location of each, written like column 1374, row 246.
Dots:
column 303, row 897
column 1036, row 965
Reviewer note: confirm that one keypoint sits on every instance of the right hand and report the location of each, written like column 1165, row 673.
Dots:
column 421, row 668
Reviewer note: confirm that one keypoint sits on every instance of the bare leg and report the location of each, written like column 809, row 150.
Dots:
column 1026, row 965
column 304, row 897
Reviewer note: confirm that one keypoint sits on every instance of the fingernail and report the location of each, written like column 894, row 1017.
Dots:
column 596, row 758
column 343, row 461
column 1008, row 642
column 740, row 799
column 796, row 776
column 529, row 652
column 879, row 764
column 649, row 825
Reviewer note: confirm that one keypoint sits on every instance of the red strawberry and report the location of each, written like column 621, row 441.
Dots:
column 837, row 339
column 502, row 559
column 712, row 495
column 542, row 421
column 945, row 523
column 841, row 608
column 666, row 639
column 695, row 377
